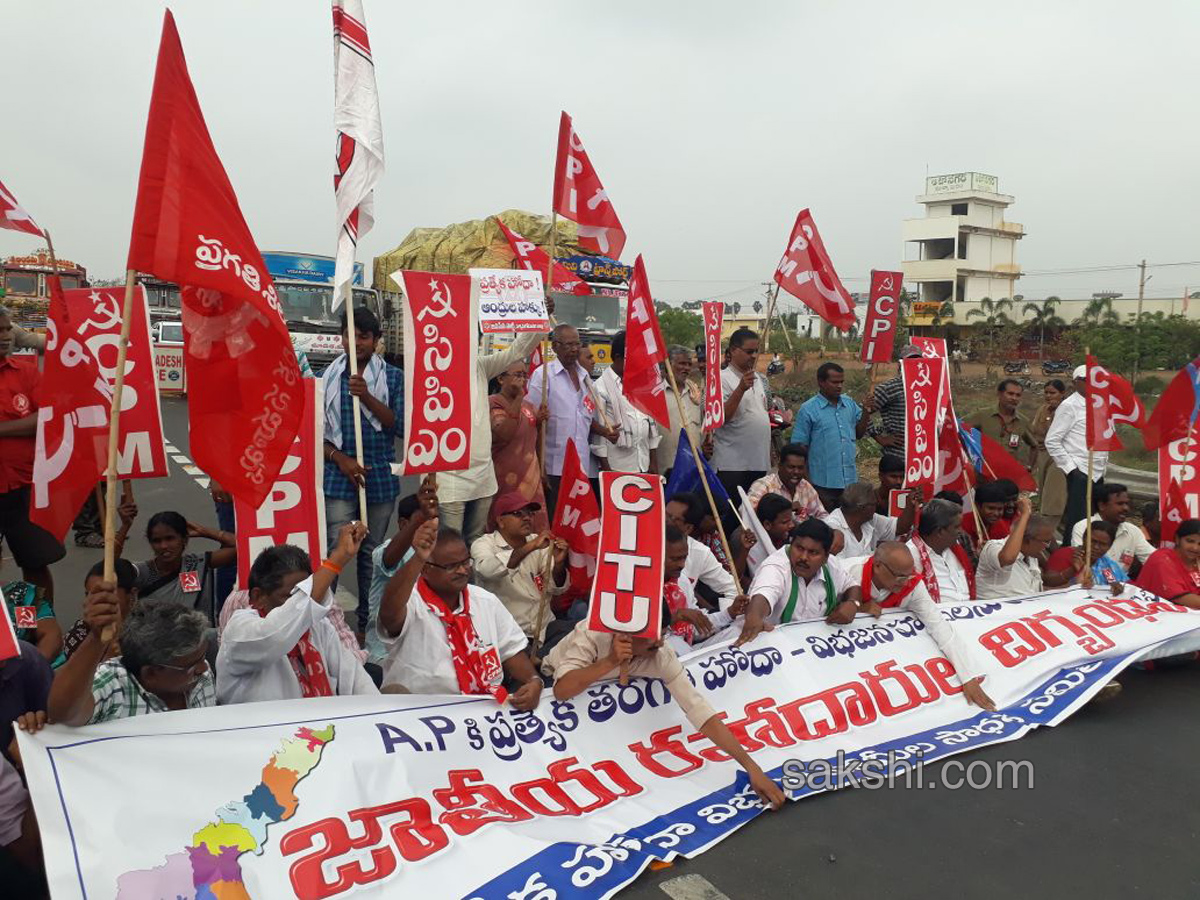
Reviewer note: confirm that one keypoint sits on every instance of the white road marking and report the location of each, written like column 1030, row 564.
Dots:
column 180, row 458
column 198, row 475
column 691, row 887
column 203, row 482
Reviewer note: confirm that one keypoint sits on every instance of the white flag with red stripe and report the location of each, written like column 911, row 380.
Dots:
column 359, row 138
column 13, row 217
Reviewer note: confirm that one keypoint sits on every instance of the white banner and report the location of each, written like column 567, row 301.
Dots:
column 509, row 300
column 425, row 796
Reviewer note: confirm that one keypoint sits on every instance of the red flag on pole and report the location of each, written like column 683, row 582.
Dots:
column 714, row 402
column 879, row 330
column 74, row 404
column 999, row 463
column 580, row 197
column 1174, row 511
column 533, row 258
column 577, row 521
column 13, row 217
column 643, row 383
column 1177, row 410
column 806, row 272
column 245, row 397
column 1110, row 400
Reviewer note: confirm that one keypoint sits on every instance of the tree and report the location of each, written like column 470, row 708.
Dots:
column 1042, row 316
column 681, row 327
column 1099, row 311
column 996, row 334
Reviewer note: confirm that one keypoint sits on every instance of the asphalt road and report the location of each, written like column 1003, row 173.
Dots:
column 1112, row 811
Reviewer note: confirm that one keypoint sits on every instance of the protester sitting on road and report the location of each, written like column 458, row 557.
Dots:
column 992, row 499
column 942, row 561
column 1012, row 566
column 790, row 480
column 1151, row 524
column 284, row 647
column 777, row 518
column 713, row 582
column 521, row 568
column 173, row 573
column 691, row 627
column 162, row 666
column 861, row 528
column 886, row 580
column 1174, row 573
column 891, row 478
column 1069, row 562
column 1110, row 503
column 446, row 636
column 585, row 657
column 25, row 682
column 32, row 618
column 125, row 591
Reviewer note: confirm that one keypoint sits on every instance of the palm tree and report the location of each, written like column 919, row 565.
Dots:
column 1042, row 316
column 1099, row 311
column 993, row 312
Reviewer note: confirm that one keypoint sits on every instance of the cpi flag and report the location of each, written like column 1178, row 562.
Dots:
column 439, row 348
column 140, row 449
column 294, row 511
column 1177, row 410
column 642, row 382
column 245, row 399
column 13, row 217
column 580, row 197
column 931, row 347
column 879, row 330
column 923, row 384
column 531, row 257
column 577, row 521
column 1111, row 400
column 1179, row 482
column 714, row 402
column 359, row 138
column 806, row 273
column 74, row 403
column 627, row 594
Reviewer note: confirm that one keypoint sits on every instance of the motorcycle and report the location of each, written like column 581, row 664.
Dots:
column 1055, row 366
column 1016, row 368
column 775, row 367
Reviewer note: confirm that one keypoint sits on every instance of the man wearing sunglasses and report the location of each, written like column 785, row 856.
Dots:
column 888, row 580
column 447, row 636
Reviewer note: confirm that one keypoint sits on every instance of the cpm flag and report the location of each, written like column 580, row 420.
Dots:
column 13, row 216
column 74, row 405
column 642, row 382
column 245, row 397
column 879, row 329
column 1178, row 409
column 577, row 521
column 533, row 258
column 1111, row 400
column 580, row 197
column 806, row 272
column 359, row 153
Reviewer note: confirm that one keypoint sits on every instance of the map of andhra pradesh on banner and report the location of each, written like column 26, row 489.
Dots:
column 449, row 796
column 509, row 300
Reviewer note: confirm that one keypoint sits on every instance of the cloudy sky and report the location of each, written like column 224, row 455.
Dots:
column 710, row 123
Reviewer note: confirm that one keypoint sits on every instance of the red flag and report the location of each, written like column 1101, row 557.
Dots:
column 13, row 217
column 535, row 362
column 580, row 197
column 74, row 404
column 535, row 259
column 245, row 397
column 1177, row 410
column 879, row 330
column 922, row 381
column 714, row 402
column 577, row 521
column 628, row 591
column 1110, row 400
column 806, row 273
column 9, row 648
column 931, row 347
column 951, row 472
column 642, row 382
column 999, row 463
column 1174, row 511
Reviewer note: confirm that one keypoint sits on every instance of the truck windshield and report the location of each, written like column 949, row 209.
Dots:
column 308, row 304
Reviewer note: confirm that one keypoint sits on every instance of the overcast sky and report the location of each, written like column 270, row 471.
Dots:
column 710, row 123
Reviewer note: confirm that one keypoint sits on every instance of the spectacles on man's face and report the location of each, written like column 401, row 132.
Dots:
column 195, row 670
column 903, row 578
column 463, row 565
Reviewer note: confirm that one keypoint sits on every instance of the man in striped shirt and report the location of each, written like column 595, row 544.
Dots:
column 889, row 401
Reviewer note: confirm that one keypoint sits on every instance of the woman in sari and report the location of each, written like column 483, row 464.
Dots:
column 1174, row 573
column 1051, row 482
column 515, row 441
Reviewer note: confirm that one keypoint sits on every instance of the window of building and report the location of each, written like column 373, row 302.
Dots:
column 962, row 246
column 958, row 209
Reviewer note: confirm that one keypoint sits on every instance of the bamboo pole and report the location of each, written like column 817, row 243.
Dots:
column 1087, row 528
column 547, row 586
column 355, row 404
column 546, row 344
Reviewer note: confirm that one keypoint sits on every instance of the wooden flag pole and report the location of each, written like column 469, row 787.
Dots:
column 1087, row 528
column 355, row 404
column 543, row 605
column 712, row 504
column 545, row 404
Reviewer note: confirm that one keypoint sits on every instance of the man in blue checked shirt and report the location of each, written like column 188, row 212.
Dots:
column 829, row 425
column 380, row 390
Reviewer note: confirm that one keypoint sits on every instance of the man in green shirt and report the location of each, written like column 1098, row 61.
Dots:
column 1005, row 426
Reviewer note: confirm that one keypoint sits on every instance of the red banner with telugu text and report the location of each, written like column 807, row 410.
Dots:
column 714, row 402
column 628, row 590
column 879, row 329
column 923, row 383
column 439, row 351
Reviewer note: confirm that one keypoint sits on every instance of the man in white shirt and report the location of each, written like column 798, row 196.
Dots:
column 1066, row 442
column 1130, row 547
column 1011, row 567
column 742, row 446
column 797, row 582
column 567, row 386
column 941, row 560
column 445, row 636
column 685, row 511
column 638, row 436
column 862, row 528
column 886, row 580
column 283, row 647
column 690, row 627
column 523, row 569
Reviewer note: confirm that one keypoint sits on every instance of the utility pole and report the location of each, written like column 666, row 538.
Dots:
column 1137, row 322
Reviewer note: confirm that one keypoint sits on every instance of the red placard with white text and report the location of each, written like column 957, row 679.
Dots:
column 931, row 347
column 439, row 353
column 294, row 511
column 140, row 451
column 1178, row 483
column 628, row 591
column 923, row 382
column 879, row 329
column 714, row 402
